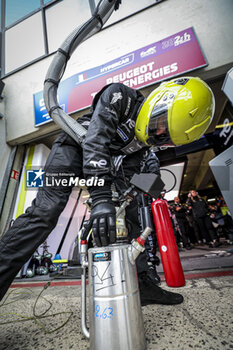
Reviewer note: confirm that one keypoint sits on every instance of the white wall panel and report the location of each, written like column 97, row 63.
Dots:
column 62, row 18
column 24, row 42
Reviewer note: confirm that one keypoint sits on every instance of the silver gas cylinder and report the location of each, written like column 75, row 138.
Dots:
column 116, row 320
column 115, row 314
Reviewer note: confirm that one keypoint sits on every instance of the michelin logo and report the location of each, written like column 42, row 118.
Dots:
column 35, row 178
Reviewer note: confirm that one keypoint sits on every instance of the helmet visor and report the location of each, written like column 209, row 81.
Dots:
column 158, row 127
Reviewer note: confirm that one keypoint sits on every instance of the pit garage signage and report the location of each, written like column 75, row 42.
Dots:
column 179, row 53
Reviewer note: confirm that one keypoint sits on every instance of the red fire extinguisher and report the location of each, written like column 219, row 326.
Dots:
column 172, row 267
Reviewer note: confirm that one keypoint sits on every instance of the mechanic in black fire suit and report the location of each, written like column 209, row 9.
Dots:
column 121, row 122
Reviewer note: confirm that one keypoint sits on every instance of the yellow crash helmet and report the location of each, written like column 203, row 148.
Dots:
column 177, row 112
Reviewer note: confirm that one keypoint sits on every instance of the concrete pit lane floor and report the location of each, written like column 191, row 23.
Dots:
column 204, row 321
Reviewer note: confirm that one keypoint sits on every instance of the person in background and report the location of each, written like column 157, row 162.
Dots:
column 200, row 212
column 193, row 224
column 222, row 223
column 179, row 211
column 174, row 223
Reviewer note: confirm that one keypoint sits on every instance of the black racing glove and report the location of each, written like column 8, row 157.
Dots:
column 103, row 215
column 103, row 223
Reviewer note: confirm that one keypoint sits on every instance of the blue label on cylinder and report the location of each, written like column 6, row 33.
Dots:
column 103, row 256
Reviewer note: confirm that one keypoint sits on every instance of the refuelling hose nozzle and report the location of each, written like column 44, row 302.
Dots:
column 137, row 246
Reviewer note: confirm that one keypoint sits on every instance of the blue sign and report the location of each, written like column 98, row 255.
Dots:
column 158, row 61
column 41, row 114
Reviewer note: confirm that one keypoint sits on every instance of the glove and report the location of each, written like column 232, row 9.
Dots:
column 103, row 223
column 151, row 164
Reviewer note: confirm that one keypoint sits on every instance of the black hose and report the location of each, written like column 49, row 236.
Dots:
column 57, row 67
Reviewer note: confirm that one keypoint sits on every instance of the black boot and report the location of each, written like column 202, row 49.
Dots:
column 151, row 293
column 153, row 274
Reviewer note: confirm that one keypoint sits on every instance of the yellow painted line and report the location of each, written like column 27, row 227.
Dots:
column 23, row 191
column 60, row 261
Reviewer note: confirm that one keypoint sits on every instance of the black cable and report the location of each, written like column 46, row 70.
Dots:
column 35, row 317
